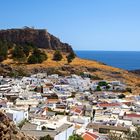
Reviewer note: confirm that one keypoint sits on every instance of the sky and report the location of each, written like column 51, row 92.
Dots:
column 84, row 24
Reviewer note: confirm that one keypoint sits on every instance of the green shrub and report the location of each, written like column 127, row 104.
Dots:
column 102, row 83
column 32, row 59
column 20, row 125
column 18, row 53
column 37, row 56
column 43, row 128
column 98, row 88
column 3, row 51
column 107, row 87
column 75, row 137
column 70, row 57
column 57, row 56
column 121, row 96
column 27, row 49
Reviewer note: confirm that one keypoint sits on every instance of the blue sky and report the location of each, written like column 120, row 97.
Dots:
column 85, row 24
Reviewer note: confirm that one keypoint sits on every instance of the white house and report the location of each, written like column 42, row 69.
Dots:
column 17, row 115
column 64, row 132
column 79, row 83
column 82, row 120
column 31, row 102
column 135, row 118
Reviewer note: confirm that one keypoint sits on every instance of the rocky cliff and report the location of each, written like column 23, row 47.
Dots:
column 37, row 37
column 8, row 130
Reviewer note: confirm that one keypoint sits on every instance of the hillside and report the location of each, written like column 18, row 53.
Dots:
column 47, row 43
column 96, row 69
column 136, row 72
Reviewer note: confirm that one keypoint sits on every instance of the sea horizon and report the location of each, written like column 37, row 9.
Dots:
column 110, row 50
column 128, row 60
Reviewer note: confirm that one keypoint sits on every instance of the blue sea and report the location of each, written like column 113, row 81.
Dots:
column 128, row 60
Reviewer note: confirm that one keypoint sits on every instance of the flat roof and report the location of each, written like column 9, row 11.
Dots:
column 30, row 129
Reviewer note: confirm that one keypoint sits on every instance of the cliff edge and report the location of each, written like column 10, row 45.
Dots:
column 40, row 38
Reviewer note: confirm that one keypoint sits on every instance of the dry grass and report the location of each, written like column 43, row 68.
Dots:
column 104, row 71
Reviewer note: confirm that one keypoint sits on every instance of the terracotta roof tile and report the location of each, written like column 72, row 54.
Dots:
column 133, row 115
column 108, row 104
column 93, row 135
column 52, row 100
column 89, row 136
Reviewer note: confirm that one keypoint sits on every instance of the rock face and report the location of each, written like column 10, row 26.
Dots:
column 37, row 37
column 8, row 130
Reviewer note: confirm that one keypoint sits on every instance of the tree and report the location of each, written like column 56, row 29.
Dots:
column 93, row 112
column 3, row 51
column 57, row 56
column 43, row 128
column 121, row 96
column 42, row 57
column 70, row 57
column 27, row 49
column 84, row 110
column 46, row 138
column 102, row 83
column 98, row 88
column 32, row 59
column 18, row 53
column 75, row 137
column 107, row 87
column 37, row 56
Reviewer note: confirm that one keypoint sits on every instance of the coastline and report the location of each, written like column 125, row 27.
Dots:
column 128, row 60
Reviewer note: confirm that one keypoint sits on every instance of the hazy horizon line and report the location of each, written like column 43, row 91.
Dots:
column 109, row 50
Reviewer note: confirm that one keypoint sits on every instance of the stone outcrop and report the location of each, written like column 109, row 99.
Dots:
column 8, row 130
column 37, row 37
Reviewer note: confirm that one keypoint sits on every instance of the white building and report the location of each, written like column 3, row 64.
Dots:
column 31, row 102
column 64, row 132
column 135, row 118
column 79, row 83
column 17, row 115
